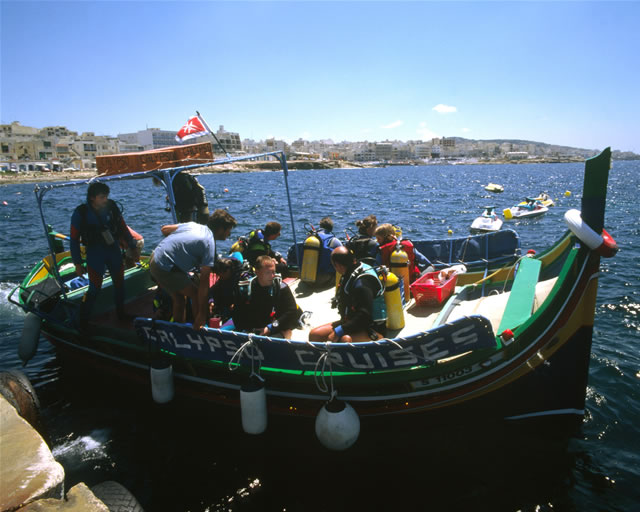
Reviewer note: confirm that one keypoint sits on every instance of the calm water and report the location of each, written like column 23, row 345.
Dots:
column 173, row 461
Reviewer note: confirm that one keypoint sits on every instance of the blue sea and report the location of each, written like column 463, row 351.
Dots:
column 177, row 462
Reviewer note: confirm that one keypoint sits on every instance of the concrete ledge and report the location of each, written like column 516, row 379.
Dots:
column 79, row 499
column 28, row 470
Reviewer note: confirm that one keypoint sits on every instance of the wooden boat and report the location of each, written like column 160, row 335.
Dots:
column 487, row 222
column 529, row 208
column 512, row 341
column 494, row 187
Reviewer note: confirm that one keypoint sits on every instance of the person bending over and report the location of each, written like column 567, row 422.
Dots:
column 188, row 246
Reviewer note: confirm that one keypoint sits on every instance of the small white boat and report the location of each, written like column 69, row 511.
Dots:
column 494, row 187
column 487, row 222
column 530, row 208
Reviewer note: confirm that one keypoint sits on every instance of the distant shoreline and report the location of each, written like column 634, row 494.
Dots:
column 13, row 178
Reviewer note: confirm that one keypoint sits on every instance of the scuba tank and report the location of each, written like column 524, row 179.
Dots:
column 393, row 301
column 399, row 263
column 310, row 255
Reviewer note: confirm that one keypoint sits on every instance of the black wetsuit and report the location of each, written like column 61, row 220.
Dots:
column 264, row 305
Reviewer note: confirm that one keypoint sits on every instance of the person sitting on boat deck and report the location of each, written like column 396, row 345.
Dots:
column 360, row 300
column 258, row 245
column 99, row 224
column 326, row 273
column 191, row 198
column 387, row 242
column 131, row 257
column 265, row 304
column 187, row 246
column 364, row 245
column 222, row 293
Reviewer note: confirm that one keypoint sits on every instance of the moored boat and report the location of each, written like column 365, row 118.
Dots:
column 494, row 187
column 511, row 342
column 487, row 222
column 543, row 198
column 527, row 209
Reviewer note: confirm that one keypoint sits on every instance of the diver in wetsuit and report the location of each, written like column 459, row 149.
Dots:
column 265, row 305
column 360, row 298
column 99, row 224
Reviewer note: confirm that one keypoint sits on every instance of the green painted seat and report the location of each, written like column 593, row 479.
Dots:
column 520, row 304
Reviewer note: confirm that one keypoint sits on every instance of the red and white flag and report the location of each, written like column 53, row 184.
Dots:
column 192, row 129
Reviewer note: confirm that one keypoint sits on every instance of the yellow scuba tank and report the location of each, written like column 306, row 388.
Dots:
column 399, row 263
column 238, row 246
column 310, row 255
column 393, row 301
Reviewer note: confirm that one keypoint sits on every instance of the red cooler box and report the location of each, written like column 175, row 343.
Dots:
column 429, row 290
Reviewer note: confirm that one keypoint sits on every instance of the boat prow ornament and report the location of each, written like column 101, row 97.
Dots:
column 603, row 244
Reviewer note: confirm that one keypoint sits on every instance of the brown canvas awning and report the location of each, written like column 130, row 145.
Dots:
column 163, row 158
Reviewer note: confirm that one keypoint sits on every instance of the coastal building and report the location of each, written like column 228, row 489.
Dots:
column 151, row 138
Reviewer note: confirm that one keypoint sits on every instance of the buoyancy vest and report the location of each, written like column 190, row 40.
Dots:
column 361, row 246
column 91, row 233
column 188, row 192
column 258, row 243
column 364, row 271
column 407, row 246
column 324, row 260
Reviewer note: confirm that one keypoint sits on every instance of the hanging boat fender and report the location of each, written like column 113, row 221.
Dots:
column 393, row 302
column 310, row 256
column 337, row 425
column 253, row 405
column 162, row 389
column 603, row 244
column 16, row 388
column 30, row 336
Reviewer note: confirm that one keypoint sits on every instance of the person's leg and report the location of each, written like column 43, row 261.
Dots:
column 95, row 270
column 320, row 333
column 115, row 265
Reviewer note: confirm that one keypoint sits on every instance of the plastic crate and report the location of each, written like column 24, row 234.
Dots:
column 435, row 291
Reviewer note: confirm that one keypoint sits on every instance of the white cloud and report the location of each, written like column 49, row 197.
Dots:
column 395, row 124
column 466, row 130
column 425, row 133
column 444, row 109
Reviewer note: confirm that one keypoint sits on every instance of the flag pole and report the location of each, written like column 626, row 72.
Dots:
column 211, row 132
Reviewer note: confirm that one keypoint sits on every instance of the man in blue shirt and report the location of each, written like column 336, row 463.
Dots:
column 186, row 247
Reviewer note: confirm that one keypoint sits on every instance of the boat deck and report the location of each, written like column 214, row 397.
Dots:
column 417, row 317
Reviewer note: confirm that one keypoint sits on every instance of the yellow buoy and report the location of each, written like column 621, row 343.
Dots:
column 449, row 232
column 399, row 263
column 393, row 302
column 310, row 256
column 567, row 193
column 507, row 213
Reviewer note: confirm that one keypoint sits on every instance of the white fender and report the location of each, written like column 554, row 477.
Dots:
column 253, row 405
column 604, row 245
column 337, row 425
column 30, row 336
column 162, row 389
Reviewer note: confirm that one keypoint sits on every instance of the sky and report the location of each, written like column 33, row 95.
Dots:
column 565, row 73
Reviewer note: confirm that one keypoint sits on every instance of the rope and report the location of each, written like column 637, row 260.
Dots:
column 322, row 383
column 240, row 352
